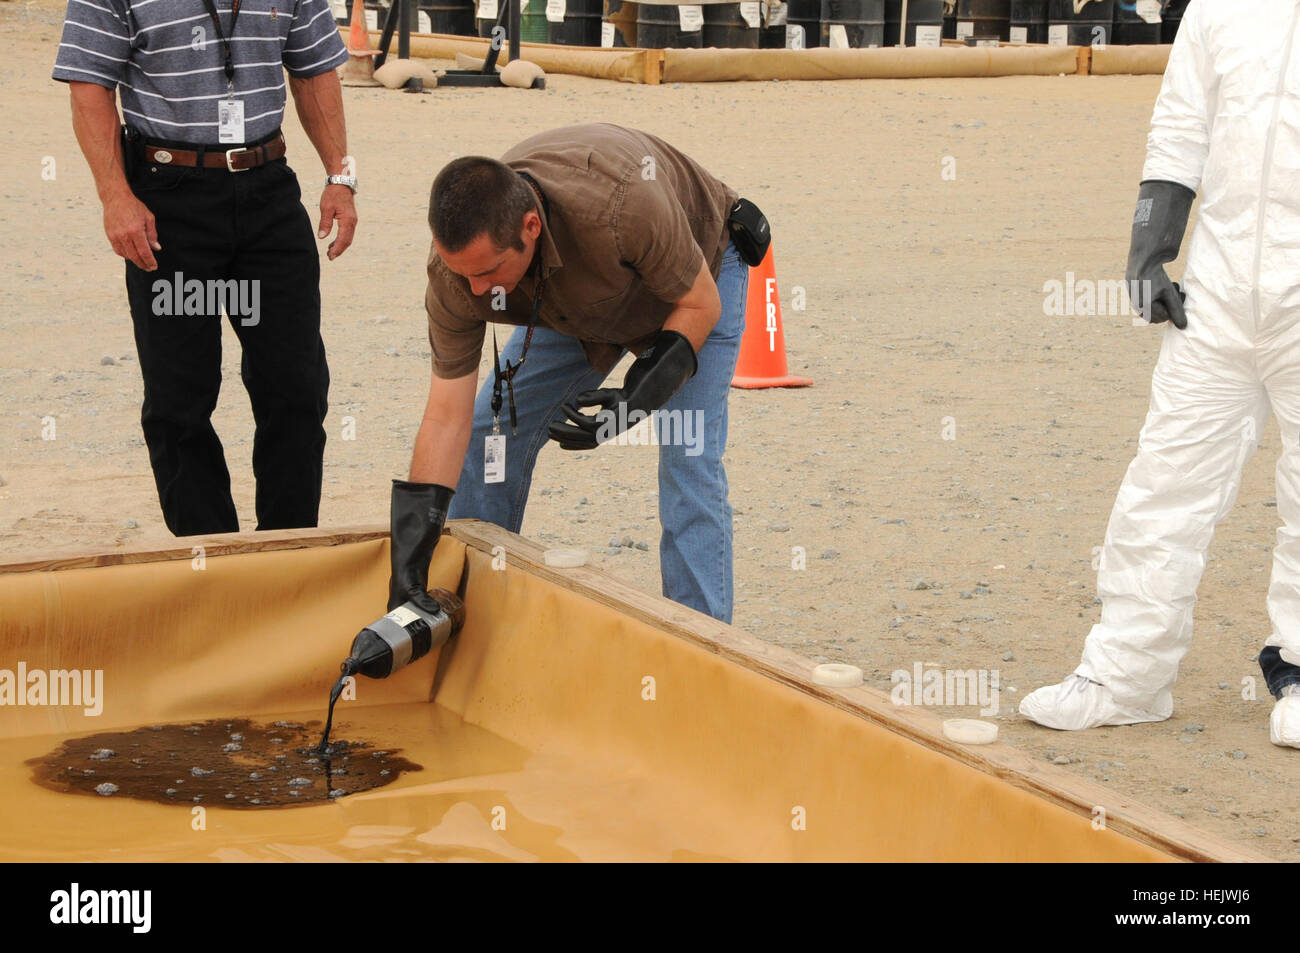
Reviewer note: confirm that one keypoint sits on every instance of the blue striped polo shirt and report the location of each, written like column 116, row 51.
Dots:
column 165, row 58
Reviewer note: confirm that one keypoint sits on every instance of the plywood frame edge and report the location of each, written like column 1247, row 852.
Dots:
column 225, row 544
column 1077, row 795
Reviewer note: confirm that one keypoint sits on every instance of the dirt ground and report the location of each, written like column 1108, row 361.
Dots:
column 924, row 320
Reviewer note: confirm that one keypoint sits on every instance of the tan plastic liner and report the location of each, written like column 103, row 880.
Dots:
column 1136, row 60
column 702, row 66
column 549, row 676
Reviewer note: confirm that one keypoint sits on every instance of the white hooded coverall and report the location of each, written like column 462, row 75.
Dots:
column 1227, row 123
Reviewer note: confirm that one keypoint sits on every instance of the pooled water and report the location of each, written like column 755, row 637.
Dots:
column 235, row 763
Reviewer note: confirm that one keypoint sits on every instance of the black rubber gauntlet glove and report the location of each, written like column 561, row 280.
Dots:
column 418, row 513
column 651, row 380
column 1158, row 227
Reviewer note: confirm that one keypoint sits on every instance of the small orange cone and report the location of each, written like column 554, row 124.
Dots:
column 359, row 70
column 762, row 347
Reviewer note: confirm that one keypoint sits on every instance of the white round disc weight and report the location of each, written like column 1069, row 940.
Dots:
column 565, row 558
column 836, row 675
column 969, row 731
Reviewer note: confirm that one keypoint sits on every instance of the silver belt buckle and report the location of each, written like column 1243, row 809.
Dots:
column 229, row 155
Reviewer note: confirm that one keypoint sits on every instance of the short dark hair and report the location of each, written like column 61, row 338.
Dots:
column 473, row 195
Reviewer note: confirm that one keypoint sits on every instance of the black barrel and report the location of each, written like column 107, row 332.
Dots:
column 659, row 27
column 532, row 21
column 1131, row 27
column 1028, row 21
column 927, row 15
column 863, row 22
column 726, row 27
column 450, row 16
column 985, row 19
column 803, row 24
column 1171, row 20
column 623, row 33
column 580, row 26
column 1091, row 26
column 772, row 34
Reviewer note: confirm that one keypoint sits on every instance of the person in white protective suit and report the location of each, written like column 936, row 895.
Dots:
column 1227, row 122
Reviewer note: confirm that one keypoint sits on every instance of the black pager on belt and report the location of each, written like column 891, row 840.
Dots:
column 130, row 150
column 750, row 232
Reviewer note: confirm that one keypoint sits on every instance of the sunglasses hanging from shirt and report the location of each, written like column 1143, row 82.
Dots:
column 230, row 111
column 494, row 446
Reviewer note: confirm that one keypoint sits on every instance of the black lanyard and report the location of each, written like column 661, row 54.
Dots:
column 508, row 375
column 229, row 64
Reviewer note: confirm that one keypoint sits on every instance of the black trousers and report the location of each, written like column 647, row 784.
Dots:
column 242, row 240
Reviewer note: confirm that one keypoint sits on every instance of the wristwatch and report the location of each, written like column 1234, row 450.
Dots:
column 349, row 180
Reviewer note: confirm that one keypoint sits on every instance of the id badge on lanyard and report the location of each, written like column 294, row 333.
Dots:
column 494, row 458
column 230, row 119
column 230, row 111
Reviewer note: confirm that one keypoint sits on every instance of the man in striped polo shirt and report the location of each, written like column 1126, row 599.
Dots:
column 198, row 199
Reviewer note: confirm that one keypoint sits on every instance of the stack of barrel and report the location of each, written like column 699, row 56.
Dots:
column 1066, row 22
column 568, row 22
column 1103, row 22
column 800, row 24
column 796, row 24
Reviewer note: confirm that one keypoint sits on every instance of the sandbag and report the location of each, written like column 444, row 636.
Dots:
column 521, row 73
column 395, row 73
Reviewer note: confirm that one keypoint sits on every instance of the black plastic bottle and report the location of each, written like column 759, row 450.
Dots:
column 393, row 642
column 404, row 635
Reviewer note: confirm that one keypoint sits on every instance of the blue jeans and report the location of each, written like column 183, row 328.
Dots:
column 694, row 512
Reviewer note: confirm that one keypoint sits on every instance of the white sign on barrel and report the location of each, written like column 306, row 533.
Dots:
column 929, row 35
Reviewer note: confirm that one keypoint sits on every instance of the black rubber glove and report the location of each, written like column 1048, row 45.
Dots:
column 653, row 378
column 418, row 513
column 1158, row 227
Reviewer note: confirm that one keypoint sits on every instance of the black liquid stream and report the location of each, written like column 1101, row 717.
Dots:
column 347, row 668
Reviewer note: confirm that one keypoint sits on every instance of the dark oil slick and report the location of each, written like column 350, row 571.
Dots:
column 233, row 763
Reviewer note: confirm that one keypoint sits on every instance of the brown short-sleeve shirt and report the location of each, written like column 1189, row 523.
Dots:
column 630, row 221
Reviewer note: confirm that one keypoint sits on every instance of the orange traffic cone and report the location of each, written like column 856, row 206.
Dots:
column 359, row 70
column 762, row 347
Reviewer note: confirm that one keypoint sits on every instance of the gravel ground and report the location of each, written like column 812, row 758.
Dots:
column 956, row 435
